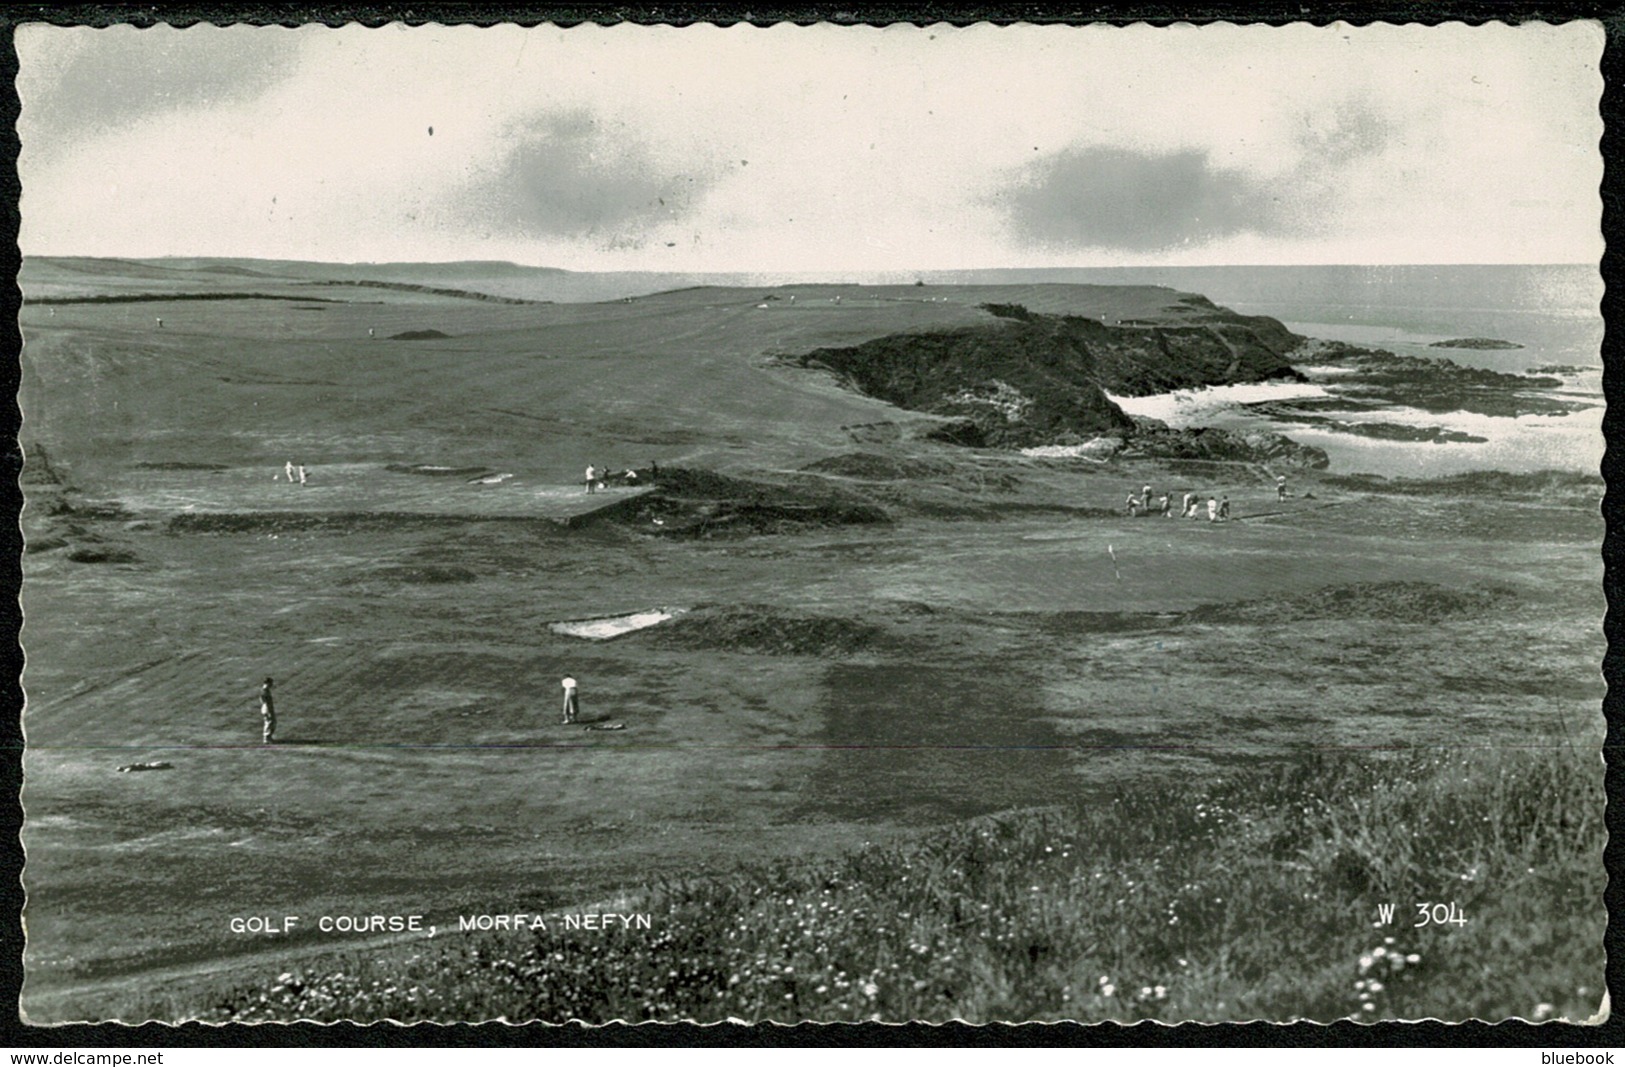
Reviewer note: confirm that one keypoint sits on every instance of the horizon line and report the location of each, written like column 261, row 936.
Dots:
column 798, row 270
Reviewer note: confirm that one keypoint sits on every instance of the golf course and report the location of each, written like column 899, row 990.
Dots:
column 829, row 611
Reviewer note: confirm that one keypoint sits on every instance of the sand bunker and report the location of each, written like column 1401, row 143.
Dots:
column 614, row 625
column 435, row 470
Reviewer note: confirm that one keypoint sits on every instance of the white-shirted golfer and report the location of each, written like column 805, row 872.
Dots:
column 268, row 713
column 572, row 708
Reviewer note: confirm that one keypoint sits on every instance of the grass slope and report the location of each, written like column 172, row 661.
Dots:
column 1256, row 897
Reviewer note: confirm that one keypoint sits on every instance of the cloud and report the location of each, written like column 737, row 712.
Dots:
column 620, row 147
column 577, row 175
column 1133, row 200
column 82, row 79
column 1336, row 135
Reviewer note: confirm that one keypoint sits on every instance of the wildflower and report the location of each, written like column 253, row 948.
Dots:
column 870, row 989
column 1413, row 958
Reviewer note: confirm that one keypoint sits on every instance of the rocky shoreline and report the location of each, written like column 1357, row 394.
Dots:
column 1484, row 344
column 1043, row 383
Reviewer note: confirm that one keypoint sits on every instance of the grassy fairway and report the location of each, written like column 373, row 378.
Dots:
column 827, row 684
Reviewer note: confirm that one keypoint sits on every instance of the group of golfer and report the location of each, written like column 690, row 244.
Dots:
column 628, row 477
column 1190, row 505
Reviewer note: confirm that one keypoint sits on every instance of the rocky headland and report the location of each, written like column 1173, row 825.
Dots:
column 1028, row 379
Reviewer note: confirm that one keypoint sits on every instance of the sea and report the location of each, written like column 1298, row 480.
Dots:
column 1553, row 311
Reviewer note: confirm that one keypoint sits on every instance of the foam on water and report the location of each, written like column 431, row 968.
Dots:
column 1194, row 407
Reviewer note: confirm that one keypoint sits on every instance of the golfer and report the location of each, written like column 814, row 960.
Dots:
column 1280, row 487
column 592, row 477
column 268, row 712
column 572, row 707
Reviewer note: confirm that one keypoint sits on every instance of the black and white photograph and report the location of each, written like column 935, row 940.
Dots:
column 812, row 522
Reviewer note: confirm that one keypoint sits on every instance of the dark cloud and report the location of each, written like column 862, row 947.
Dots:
column 114, row 75
column 1139, row 201
column 574, row 175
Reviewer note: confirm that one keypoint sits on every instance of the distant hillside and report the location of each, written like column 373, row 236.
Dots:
column 91, row 277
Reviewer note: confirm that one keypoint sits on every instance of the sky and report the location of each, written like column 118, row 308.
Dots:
column 822, row 148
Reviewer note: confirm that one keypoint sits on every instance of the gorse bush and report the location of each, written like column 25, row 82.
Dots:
column 1256, row 897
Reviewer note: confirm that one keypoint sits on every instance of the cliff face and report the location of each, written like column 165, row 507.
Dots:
column 1020, row 382
column 1031, row 379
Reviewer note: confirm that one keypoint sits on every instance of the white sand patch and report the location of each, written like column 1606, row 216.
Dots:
column 1193, row 407
column 614, row 625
